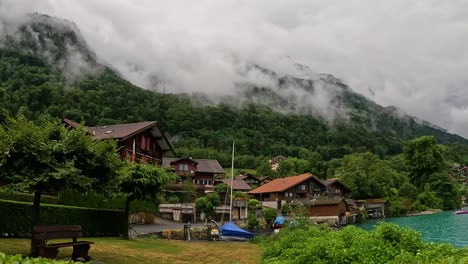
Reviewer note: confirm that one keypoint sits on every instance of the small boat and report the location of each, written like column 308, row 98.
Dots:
column 231, row 232
column 461, row 212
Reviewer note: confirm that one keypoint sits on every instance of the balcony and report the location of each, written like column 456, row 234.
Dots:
column 185, row 173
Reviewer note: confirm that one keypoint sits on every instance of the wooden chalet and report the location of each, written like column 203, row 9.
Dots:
column 200, row 172
column 333, row 210
column 304, row 186
column 336, row 189
column 248, row 178
column 143, row 141
column 274, row 162
column 237, row 185
column 265, row 179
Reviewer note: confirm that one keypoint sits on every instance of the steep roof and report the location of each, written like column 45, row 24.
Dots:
column 203, row 165
column 331, row 181
column 282, row 184
column 120, row 131
column 236, row 184
column 278, row 159
column 124, row 131
column 244, row 176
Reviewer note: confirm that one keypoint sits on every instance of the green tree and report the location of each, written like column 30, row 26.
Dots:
column 424, row 157
column 141, row 180
column 208, row 203
column 48, row 157
column 367, row 175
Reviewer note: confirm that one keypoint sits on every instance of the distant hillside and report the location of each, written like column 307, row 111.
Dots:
column 46, row 68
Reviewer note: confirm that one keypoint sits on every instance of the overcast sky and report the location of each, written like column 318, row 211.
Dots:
column 411, row 54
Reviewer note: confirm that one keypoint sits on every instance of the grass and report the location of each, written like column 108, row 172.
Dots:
column 151, row 250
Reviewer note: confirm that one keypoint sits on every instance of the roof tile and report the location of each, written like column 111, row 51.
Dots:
column 282, row 184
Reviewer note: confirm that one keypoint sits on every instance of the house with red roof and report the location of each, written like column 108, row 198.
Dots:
column 304, row 186
column 140, row 141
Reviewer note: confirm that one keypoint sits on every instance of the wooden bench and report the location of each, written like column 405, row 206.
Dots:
column 42, row 235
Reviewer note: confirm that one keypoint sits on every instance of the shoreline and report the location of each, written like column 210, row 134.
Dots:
column 426, row 212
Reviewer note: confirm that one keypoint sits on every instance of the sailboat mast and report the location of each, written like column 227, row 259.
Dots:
column 232, row 178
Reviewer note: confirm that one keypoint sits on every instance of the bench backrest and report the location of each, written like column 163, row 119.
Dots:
column 53, row 232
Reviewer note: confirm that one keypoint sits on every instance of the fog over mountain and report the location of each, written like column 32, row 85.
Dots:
column 413, row 55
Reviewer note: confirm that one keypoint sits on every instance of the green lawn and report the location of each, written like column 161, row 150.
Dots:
column 150, row 250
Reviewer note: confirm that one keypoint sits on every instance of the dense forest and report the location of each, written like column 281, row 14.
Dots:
column 370, row 140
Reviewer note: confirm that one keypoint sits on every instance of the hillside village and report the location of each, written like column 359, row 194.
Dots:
column 326, row 200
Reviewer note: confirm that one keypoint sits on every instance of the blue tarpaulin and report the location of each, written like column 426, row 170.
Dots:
column 231, row 229
column 279, row 220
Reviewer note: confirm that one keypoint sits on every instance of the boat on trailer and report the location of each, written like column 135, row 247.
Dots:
column 230, row 231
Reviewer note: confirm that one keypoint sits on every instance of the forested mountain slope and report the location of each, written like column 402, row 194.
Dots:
column 46, row 68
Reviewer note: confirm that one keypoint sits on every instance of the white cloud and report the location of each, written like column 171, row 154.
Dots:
column 411, row 54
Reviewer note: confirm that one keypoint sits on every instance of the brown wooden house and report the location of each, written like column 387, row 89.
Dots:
column 249, row 179
column 237, row 185
column 145, row 140
column 304, row 186
column 200, row 172
column 318, row 208
column 336, row 189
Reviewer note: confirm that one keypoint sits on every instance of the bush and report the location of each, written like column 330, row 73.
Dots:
column 388, row 243
column 18, row 259
column 285, row 209
column 269, row 214
column 17, row 218
column 253, row 222
column 27, row 197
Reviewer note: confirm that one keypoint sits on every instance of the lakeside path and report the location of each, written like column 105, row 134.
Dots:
column 159, row 225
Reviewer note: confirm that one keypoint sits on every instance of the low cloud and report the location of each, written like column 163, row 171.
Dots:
column 412, row 55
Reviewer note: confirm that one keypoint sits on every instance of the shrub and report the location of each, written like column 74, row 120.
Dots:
column 269, row 214
column 17, row 218
column 388, row 243
column 285, row 209
column 253, row 222
column 253, row 204
column 18, row 259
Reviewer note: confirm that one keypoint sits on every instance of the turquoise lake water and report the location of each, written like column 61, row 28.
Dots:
column 440, row 227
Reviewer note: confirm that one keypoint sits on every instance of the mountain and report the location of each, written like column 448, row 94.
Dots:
column 46, row 67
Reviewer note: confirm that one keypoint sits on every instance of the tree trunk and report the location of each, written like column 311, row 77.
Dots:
column 127, row 215
column 35, row 220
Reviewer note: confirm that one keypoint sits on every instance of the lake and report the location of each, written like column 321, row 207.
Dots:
column 439, row 227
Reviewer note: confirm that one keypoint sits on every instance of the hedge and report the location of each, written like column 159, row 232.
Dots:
column 27, row 197
column 16, row 218
column 100, row 201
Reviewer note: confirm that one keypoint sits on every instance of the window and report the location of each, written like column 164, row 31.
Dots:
column 288, row 194
column 143, row 142
column 183, row 167
column 302, row 187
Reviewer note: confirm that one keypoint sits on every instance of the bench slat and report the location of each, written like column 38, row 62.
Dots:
column 54, row 232
column 68, row 244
